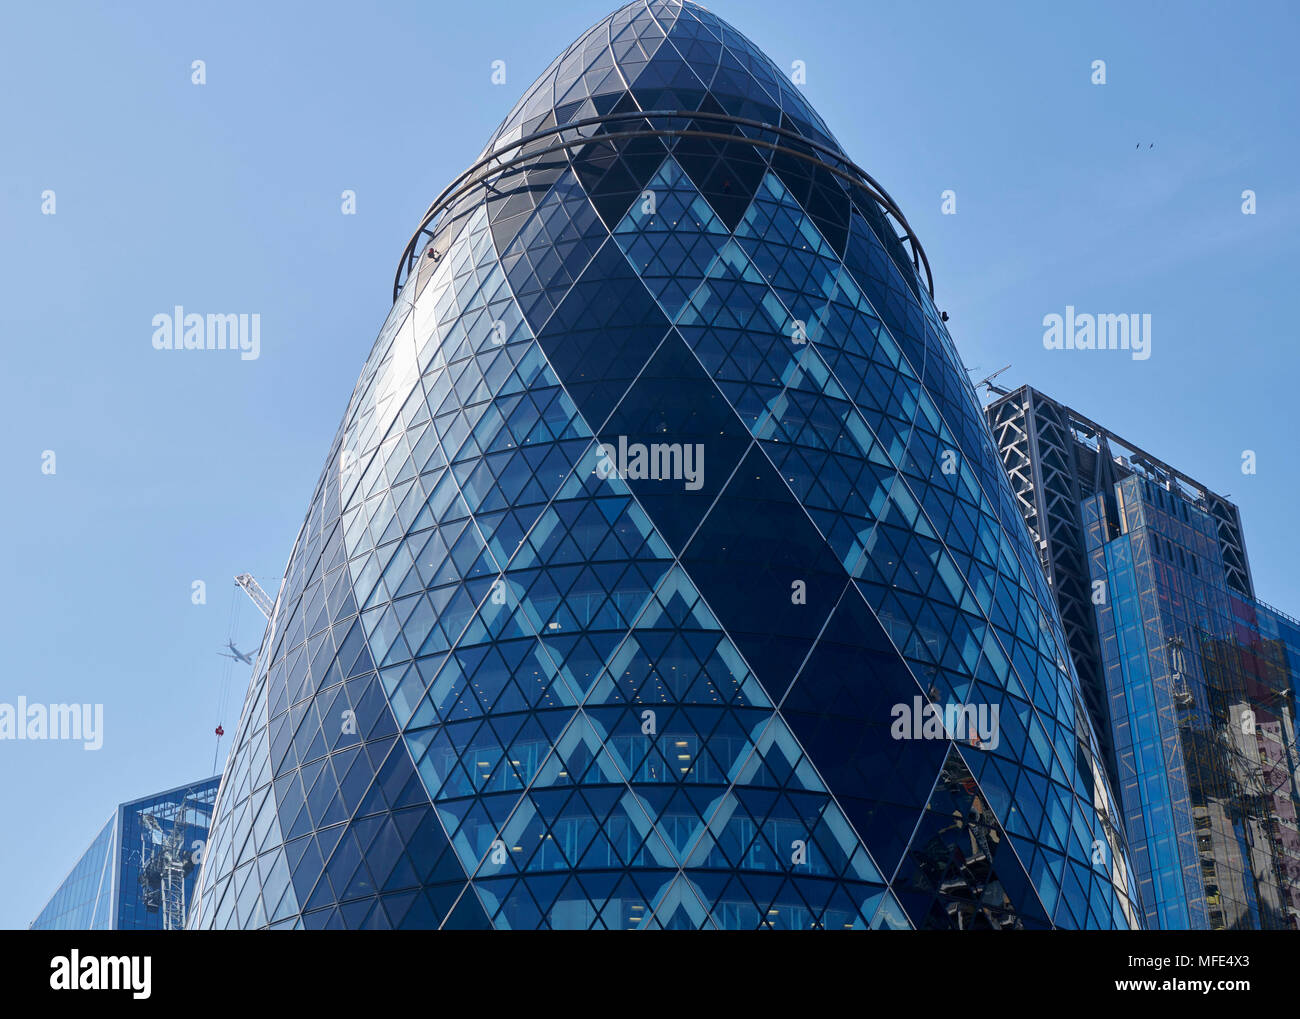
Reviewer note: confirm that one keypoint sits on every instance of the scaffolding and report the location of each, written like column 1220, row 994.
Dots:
column 164, row 865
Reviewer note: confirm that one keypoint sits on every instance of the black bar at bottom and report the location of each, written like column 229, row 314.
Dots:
column 608, row 971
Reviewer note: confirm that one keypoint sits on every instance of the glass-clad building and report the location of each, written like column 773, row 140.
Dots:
column 1267, row 643
column 1192, row 680
column 662, row 572
column 123, row 880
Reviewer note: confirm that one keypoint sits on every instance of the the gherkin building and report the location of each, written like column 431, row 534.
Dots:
column 662, row 497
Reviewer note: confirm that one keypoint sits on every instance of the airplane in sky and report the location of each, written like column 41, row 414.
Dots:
column 237, row 655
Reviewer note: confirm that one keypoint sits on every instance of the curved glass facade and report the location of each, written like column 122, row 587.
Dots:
column 661, row 495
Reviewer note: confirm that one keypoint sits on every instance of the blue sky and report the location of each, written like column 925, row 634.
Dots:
column 226, row 197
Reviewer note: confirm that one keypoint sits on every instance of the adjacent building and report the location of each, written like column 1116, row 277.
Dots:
column 1190, row 679
column 662, row 498
column 139, row 871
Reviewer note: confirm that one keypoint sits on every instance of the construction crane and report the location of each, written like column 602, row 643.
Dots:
column 265, row 605
column 253, row 589
column 988, row 381
column 164, row 865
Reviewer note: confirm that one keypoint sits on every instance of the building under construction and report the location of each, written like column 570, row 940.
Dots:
column 1191, row 680
column 138, row 872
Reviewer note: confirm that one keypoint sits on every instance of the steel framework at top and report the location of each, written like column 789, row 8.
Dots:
column 493, row 164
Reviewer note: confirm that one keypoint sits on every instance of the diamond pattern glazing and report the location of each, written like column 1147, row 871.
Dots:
column 506, row 686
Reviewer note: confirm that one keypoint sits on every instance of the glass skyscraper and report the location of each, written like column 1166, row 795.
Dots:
column 660, row 525
column 1267, row 641
column 118, row 884
column 1193, row 679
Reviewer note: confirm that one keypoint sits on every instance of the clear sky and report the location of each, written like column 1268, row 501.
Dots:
column 226, row 197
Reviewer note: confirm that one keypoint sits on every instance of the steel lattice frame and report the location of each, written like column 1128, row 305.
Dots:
column 1040, row 456
column 491, row 166
column 1048, row 452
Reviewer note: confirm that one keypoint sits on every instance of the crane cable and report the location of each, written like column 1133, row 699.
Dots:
column 223, row 691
